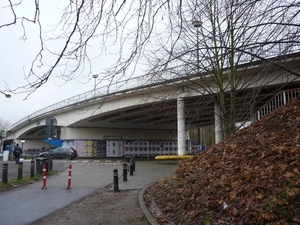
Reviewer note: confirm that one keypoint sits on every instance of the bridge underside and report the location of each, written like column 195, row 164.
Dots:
column 199, row 112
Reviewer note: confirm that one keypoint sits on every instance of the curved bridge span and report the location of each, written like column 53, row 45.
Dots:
column 144, row 109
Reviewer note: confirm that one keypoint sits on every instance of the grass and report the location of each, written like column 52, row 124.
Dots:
column 15, row 182
column 26, row 180
column 23, row 182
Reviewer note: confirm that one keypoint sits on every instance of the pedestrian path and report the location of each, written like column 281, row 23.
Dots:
column 33, row 203
column 83, row 175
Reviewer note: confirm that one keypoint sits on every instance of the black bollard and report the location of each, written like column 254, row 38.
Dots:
column 32, row 168
column 124, row 171
column 39, row 166
column 37, row 161
column 133, row 161
column 20, row 170
column 133, row 164
column 4, row 174
column 116, row 181
column 131, row 167
column 51, row 164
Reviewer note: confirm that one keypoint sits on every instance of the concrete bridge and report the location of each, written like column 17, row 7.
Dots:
column 147, row 111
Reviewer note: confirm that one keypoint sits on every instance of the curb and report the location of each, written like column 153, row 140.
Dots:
column 148, row 215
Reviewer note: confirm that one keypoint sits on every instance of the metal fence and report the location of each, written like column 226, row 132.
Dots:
column 276, row 102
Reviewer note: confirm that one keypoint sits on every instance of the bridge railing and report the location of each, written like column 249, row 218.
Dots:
column 280, row 99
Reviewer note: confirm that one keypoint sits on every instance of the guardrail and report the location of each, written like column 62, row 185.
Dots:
column 280, row 99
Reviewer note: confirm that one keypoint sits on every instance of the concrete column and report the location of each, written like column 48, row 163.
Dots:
column 187, row 135
column 200, row 135
column 181, row 126
column 218, row 127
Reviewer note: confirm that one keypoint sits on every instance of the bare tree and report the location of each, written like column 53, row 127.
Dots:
column 4, row 125
column 220, row 40
column 159, row 37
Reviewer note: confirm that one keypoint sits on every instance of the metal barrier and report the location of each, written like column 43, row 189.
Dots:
column 69, row 176
column 280, row 99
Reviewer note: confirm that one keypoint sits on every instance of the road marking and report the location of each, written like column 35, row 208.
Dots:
column 86, row 162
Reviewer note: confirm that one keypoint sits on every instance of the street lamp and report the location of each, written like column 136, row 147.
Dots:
column 95, row 76
column 6, row 95
column 197, row 24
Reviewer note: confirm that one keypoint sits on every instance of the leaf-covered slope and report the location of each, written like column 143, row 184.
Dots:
column 251, row 178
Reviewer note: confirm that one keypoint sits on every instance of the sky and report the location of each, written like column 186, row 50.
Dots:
column 16, row 56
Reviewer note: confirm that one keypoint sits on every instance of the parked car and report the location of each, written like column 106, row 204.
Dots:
column 60, row 152
column 30, row 153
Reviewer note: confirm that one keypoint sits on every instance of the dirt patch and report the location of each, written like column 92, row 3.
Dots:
column 102, row 207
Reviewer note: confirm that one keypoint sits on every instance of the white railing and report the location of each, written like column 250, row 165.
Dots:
column 280, row 99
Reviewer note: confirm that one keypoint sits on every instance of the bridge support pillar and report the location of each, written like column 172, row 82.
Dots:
column 218, row 127
column 181, row 126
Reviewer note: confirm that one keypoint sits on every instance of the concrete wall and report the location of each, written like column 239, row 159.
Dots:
column 100, row 134
column 37, row 144
column 125, row 134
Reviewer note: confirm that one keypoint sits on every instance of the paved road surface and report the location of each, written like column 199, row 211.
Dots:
column 33, row 203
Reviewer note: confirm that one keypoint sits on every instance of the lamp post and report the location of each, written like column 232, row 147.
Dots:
column 6, row 95
column 197, row 24
column 95, row 76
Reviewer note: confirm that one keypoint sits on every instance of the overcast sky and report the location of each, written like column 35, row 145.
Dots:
column 16, row 57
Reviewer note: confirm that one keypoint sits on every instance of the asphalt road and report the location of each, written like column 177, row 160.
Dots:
column 25, row 205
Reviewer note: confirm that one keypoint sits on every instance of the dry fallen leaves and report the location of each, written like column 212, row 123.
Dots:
column 255, row 172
